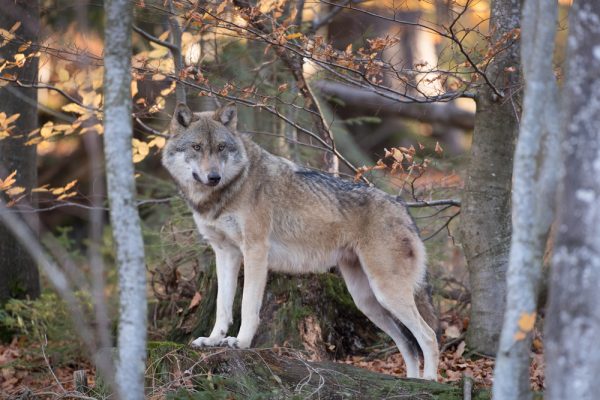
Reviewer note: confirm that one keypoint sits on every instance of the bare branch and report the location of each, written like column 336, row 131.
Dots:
column 441, row 228
column 433, row 203
column 154, row 39
column 49, row 87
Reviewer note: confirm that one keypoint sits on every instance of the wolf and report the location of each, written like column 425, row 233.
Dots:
column 268, row 213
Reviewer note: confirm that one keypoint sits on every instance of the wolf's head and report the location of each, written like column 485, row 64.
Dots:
column 204, row 150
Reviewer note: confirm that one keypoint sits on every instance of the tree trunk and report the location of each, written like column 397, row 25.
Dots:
column 486, row 228
column 534, row 184
column 279, row 374
column 125, row 221
column 19, row 273
column 573, row 317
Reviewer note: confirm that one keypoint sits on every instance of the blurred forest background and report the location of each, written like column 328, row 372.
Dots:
column 422, row 98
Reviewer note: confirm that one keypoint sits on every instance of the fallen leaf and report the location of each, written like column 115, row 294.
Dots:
column 452, row 332
column 195, row 301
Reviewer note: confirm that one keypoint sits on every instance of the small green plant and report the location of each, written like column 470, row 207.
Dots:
column 46, row 319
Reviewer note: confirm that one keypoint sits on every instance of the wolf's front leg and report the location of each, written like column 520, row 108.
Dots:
column 229, row 260
column 255, row 279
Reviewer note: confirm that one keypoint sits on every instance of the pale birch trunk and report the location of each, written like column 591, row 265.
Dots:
column 573, row 315
column 535, row 178
column 124, row 216
column 485, row 213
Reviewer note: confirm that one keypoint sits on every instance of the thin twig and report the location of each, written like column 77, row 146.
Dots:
column 43, row 347
column 443, row 226
column 153, row 38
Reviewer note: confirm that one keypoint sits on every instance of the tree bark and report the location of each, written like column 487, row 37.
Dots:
column 534, row 184
column 573, row 316
column 125, row 221
column 20, row 277
column 486, row 228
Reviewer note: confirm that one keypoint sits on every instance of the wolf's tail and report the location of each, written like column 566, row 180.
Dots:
column 424, row 300
column 425, row 306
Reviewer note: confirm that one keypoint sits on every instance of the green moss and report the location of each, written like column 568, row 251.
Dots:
column 335, row 288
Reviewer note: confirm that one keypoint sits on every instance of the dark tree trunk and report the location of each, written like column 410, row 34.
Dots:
column 18, row 273
column 573, row 316
column 486, row 221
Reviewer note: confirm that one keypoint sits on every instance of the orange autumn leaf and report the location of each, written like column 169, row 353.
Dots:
column 520, row 335
column 527, row 321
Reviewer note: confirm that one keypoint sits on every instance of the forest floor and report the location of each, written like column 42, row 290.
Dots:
column 24, row 368
column 456, row 360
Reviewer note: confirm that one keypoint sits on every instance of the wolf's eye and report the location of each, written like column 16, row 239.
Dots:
column 196, row 147
column 221, row 147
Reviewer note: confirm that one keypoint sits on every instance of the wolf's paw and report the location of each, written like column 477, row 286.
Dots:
column 430, row 377
column 231, row 342
column 234, row 343
column 206, row 342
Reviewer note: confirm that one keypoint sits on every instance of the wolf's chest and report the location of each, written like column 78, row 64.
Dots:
column 225, row 228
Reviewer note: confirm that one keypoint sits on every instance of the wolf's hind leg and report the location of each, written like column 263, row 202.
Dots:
column 229, row 260
column 363, row 296
column 395, row 292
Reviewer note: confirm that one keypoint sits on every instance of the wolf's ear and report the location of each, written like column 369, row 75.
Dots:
column 227, row 115
column 182, row 117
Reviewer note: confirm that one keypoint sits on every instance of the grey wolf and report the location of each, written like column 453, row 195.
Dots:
column 270, row 214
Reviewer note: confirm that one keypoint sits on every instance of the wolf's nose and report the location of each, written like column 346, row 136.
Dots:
column 213, row 178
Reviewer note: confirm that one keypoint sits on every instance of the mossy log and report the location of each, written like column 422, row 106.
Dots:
column 277, row 374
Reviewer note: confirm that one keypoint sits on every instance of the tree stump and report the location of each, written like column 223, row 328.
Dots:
column 81, row 381
column 311, row 312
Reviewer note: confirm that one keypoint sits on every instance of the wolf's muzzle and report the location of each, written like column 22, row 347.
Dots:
column 213, row 179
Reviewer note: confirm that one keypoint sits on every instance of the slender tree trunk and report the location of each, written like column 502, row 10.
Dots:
column 486, row 228
column 19, row 273
column 534, row 184
column 124, row 216
column 573, row 317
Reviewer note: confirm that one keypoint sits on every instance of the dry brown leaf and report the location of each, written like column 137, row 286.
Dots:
column 195, row 301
